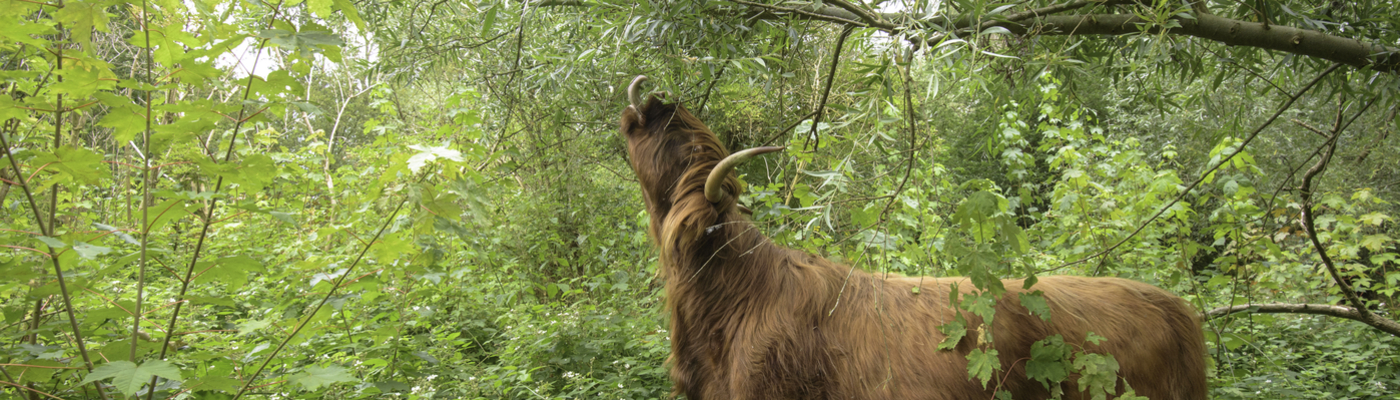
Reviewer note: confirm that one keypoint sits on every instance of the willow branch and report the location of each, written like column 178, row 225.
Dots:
column 772, row 12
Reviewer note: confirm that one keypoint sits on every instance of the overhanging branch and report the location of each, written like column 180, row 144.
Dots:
column 1232, row 32
column 1312, row 309
column 1310, row 43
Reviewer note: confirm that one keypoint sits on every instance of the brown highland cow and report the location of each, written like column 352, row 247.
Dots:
column 753, row 320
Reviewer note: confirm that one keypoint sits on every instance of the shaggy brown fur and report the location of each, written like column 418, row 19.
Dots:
column 752, row 320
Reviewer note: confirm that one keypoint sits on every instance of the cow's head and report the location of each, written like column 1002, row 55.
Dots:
column 675, row 155
column 681, row 165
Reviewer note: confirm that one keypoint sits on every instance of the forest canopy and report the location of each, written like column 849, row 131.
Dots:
column 343, row 199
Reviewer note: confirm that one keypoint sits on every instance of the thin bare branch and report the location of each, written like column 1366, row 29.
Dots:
column 830, row 76
column 1305, row 192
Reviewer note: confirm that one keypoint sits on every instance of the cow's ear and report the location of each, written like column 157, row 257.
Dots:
column 632, row 121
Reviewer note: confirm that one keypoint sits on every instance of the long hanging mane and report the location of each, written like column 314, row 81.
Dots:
column 680, row 156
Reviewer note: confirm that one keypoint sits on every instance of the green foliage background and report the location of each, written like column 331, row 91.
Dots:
column 337, row 199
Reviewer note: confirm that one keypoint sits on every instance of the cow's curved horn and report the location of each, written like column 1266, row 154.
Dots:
column 632, row 96
column 714, row 185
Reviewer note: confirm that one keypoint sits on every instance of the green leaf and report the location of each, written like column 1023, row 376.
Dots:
column 77, row 164
column 1218, row 280
column 253, row 172
column 52, row 242
column 124, row 117
column 1091, row 337
column 975, row 210
column 212, row 382
column 128, row 378
column 1234, row 341
column 167, row 211
column 1098, row 373
column 10, row 109
column 1036, row 304
column 981, row 364
column 392, row 387
column 89, row 251
column 233, row 271
column 314, row 378
column 33, row 371
column 1375, row 242
column 284, row 217
column 21, row 30
column 321, row 8
column 251, row 326
column 81, row 17
column 121, row 350
column 120, row 310
column 390, row 247
column 489, row 20
column 304, row 42
column 83, row 76
column 1373, row 219
column 215, row 300
column 347, row 8
column 954, row 332
column 983, row 305
column 118, row 233
column 75, row 285
column 427, row 154
column 1050, row 361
